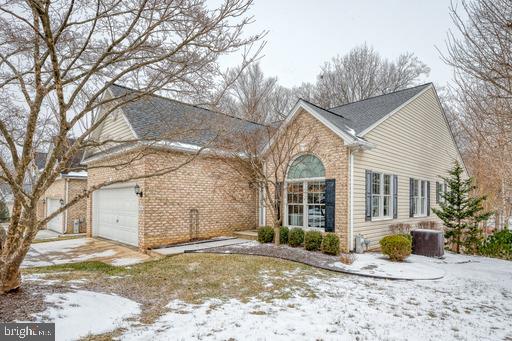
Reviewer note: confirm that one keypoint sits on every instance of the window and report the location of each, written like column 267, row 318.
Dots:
column 419, row 197
column 306, row 193
column 382, row 191
column 441, row 189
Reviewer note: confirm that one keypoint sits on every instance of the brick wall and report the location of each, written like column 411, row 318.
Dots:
column 330, row 149
column 58, row 191
column 224, row 201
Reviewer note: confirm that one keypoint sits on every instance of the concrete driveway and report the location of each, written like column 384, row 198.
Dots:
column 79, row 250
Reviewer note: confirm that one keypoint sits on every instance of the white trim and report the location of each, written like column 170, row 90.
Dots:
column 301, row 104
column 351, row 196
column 374, row 125
column 262, row 212
column 66, row 198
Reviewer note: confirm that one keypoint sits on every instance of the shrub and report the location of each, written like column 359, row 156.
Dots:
column 498, row 245
column 396, row 247
column 312, row 240
column 283, row 235
column 296, row 237
column 330, row 244
column 265, row 234
column 400, row 228
column 428, row 225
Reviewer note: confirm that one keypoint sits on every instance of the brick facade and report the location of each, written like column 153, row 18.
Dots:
column 207, row 185
column 57, row 191
column 330, row 149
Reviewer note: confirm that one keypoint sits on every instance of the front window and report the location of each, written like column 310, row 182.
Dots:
column 382, row 189
column 306, row 193
column 419, row 197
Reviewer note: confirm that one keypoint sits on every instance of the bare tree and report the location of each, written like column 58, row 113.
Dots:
column 481, row 53
column 255, row 97
column 363, row 73
column 57, row 61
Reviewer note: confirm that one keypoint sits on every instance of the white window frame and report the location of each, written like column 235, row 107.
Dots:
column 381, row 196
column 305, row 212
column 417, row 199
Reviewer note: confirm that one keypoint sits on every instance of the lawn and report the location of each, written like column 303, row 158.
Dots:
column 212, row 296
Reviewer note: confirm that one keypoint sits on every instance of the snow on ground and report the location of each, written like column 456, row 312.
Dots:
column 376, row 264
column 472, row 302
column 80, row 313
column 126, row 261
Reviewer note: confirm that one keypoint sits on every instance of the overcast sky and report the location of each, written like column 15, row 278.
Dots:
column 305, row 33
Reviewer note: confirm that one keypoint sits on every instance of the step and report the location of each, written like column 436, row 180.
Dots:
column 247, row 234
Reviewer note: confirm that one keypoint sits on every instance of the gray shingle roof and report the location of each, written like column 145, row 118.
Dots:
column 362, row 114
column 156, row 117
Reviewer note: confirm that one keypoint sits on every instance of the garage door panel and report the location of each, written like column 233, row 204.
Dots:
column 117, row 214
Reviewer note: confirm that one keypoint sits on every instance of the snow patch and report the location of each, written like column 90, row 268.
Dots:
column 80, row 313
column 126, row 261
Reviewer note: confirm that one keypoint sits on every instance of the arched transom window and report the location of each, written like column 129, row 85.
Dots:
column 305, row 187
column 306, row 167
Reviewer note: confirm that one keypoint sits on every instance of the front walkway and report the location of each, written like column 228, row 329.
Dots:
column 198, row 246
column 79, row 250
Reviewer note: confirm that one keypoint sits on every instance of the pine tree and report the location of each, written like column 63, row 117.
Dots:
column 461, row 212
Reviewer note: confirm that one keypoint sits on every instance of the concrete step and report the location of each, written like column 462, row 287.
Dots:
column 247, row 234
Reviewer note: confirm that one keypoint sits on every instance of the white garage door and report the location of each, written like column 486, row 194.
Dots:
column 116, row 214
column 55, row 224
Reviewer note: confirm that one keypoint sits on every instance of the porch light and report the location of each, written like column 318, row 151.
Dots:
column 137, row 190
column 61, row 201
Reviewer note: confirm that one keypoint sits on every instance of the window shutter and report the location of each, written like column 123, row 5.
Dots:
column 368, row 191
column 428, row 198
column 330, row 204
column 278, row 198
column 411, row 200
column 395, row 196
column 437, row 192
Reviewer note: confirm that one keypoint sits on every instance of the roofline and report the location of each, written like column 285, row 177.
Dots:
column 450, row 130
column 394, row 111
column 310, row 108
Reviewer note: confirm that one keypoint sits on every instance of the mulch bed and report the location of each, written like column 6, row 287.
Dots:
column 299, row 255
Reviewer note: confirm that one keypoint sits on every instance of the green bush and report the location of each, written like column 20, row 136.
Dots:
column 266, row 234
column 283, row 235
column 312, row 240
column 397, row 247
column 330, row 244
column 498, row 245
column 296, row 237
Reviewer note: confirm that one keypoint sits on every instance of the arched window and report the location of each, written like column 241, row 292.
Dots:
column 305, row 167
column 306, row 193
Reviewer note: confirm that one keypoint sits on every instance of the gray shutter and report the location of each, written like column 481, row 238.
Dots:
column 428, row 198
column 330, row 204
column 437, row 192
column 395, row 196
column 278, row 199
column 411, row 201
column 368, row 191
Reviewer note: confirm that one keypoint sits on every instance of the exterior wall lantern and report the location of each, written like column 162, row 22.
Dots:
column 61, row 202
column 137, row 190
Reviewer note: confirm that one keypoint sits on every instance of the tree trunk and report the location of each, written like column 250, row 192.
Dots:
column 10, row 278
column 277, row 235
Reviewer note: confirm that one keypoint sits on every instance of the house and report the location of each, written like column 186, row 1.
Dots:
column 67, row 185
column 376, row 162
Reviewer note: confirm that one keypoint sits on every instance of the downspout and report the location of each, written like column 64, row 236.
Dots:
column 351, row 200
column 65, row 203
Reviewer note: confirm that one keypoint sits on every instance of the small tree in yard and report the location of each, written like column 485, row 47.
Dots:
column 461, row 212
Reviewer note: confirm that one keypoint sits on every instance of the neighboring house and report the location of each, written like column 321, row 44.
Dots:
column 67, row 185
column 377, row 162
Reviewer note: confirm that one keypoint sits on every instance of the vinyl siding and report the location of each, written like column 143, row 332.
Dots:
column 414, row 142
column 116, row 127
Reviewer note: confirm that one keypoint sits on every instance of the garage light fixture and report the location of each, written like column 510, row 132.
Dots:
column 137, row 190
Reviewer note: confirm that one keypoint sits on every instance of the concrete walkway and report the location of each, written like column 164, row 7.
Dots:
column 203, row 245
